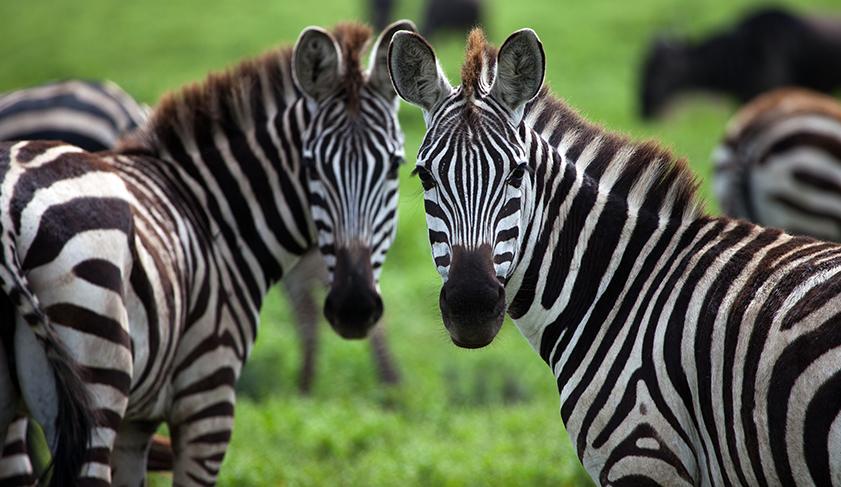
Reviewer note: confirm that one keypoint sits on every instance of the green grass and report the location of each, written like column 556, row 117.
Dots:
column 462, row 417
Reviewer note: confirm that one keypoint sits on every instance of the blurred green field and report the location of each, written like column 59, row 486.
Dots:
column 486, row 417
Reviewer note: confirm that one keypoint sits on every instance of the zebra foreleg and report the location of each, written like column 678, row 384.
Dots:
column 299, row 285
column 384, row 361
column 306, row 320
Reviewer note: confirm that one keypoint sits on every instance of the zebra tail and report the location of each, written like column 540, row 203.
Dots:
column 75, row 417
column 75, row 420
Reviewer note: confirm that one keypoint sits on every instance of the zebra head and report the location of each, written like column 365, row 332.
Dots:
column 352, row 149
column 474, row 169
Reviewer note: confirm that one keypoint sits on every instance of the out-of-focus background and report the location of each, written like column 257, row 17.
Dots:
column 484, row 417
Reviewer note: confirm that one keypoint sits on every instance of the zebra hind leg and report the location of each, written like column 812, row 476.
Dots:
column 201, row 427
column 8, row 392
column 15, row 464
column 128, row 460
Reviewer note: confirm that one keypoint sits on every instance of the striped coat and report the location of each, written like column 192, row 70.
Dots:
column 687, row 349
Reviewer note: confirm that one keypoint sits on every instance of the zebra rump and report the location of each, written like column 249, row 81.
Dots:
column 74, row 414
column 779, row 164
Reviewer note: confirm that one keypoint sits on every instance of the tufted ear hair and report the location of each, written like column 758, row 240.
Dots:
column 520, row 67
column 415, row 72
column 317, row 63
column 378, row 77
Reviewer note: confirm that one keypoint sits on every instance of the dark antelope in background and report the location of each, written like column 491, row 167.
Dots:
column 687, row 349
column 779, row 164
column 767, row 49
column 135, row 277
column 438, row 15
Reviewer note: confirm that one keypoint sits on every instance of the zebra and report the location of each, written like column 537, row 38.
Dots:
column 92, row 115
column 687, row 349
column 779, row 164
column 136, row 276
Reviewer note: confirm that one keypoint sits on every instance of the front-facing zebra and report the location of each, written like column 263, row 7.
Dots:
column 687, row 349
column 147, row 265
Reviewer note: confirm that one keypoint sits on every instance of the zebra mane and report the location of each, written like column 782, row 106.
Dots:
column 352, row 38
column 236, row 97
column 479, row 63
column 673, row 181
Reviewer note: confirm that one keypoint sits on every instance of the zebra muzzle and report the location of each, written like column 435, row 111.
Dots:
column 353, row 305
column 472, row 301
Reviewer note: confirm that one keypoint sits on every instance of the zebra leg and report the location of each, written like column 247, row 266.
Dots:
column 128, row 460
column 300, row 284
column 15, row 465
column 201, row 423
column 8, row 393
column 299, row 291
column 386, row 367
column 90, row 320
column 108, row 395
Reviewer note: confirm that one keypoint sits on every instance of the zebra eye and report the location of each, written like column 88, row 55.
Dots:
column 393, row 169
column 425, row 177
column 516, row 176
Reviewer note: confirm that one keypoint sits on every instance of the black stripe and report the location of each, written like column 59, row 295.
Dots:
column 100, row 272
column 60, row 223
column 86, row 321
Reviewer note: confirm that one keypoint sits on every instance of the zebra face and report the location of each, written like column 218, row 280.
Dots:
column 474, row 170
column 352, row 150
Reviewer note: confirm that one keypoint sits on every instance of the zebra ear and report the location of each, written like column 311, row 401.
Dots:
column 415, row 72
column 520, row 67
column 317, row 63
column 378, row 77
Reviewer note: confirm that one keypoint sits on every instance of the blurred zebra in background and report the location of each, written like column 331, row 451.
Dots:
column 92, row 115
column 172, row 240
column 779, row 164
column 687, row 349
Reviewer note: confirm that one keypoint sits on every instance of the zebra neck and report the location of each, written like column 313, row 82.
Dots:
column 592, row 212
column 248, row 190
